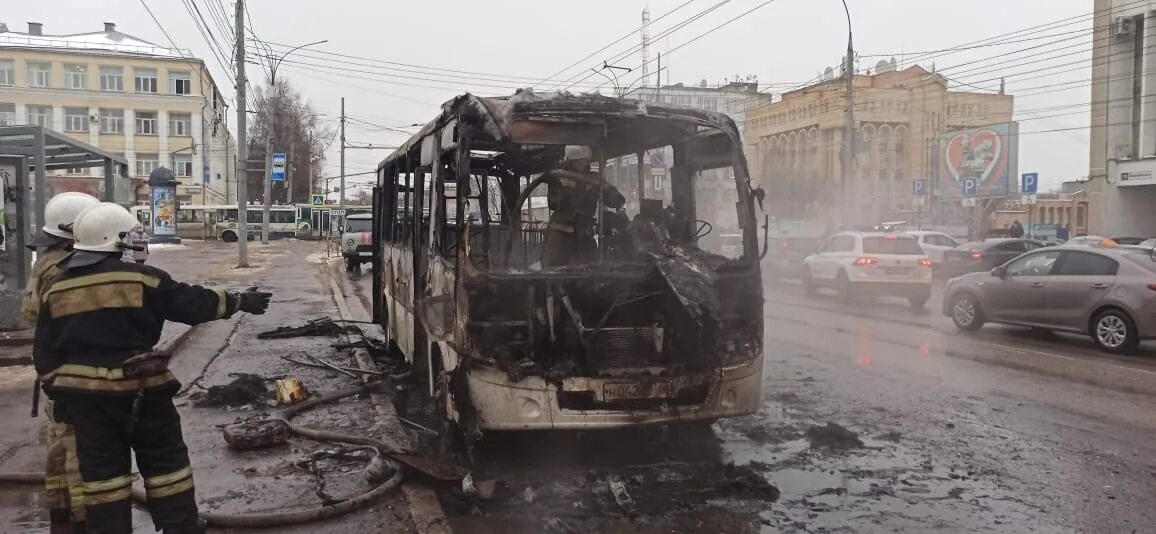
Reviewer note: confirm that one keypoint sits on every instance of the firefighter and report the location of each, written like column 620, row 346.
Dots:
column 99, row 321
column 573, row 201
column 62, row 490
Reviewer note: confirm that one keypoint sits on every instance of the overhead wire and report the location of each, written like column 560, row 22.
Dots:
column 629, row 34
column 569, row 82
column 714, row 29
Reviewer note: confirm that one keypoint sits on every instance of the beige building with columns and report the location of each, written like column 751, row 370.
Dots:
column 156, row 106
column 794, row 144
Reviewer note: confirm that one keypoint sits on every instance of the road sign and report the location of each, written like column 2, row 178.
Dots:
column 1030, row 183
column 919, row 188
column 970, row 187
column 317, row 200
column 969, row 202
column 1029, row 199
column 279, row 163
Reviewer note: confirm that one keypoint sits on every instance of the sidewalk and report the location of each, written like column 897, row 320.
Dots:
column 212, row 355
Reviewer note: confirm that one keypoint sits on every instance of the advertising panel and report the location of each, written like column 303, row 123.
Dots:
column 977, row 162
column 164, row 208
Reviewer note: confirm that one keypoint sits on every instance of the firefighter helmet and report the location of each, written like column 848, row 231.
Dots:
column 61, row 211
column 576, row 152
column 103, row 227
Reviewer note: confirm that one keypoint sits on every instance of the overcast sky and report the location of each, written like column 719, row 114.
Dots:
column 495, row 46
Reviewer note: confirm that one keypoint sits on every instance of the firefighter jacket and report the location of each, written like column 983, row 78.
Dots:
column 46, row 268
column 93, row 318
column 573, row 199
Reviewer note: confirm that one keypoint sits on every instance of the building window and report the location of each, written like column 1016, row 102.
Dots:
column 7, row 114
column 182, row 166
column 7, row 72
column 40, row 115
column 179, row 83
column 111, row 121
column 40, row 75
column 111, row 79
column 146, row 163
column 146, row 123
column 76, row 119
column 180, row 124
column 75, row 77
column 145, row 80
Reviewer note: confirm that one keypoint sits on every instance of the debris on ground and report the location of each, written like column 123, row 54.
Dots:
column 256, row 434
column 833, row 436
column 893, row 437
column 323, row 327
column 243, row 390
column 290, row 391
column 555, row 524
column 743, row 482
column 618, row 490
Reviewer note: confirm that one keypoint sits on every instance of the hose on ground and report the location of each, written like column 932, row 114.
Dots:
column 291, row 517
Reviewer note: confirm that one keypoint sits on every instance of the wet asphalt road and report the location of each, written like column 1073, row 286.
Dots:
column 1004, row 430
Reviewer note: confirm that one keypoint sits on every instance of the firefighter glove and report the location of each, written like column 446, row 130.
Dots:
column 254, row 302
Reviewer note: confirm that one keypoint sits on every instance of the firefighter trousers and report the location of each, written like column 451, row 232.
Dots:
column 63, row 490
column 106, row 438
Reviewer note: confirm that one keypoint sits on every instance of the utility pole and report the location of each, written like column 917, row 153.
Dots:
column 242, row 149
column 341, row 202
column 266, row 176
column 289, row 176
column 849, row 129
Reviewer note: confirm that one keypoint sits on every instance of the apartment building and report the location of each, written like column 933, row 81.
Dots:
column 154, row 105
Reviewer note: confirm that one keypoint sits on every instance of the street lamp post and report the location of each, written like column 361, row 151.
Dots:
column 845, row 204
column 274, row 63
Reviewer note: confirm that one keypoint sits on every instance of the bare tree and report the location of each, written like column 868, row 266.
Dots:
column 299, row 132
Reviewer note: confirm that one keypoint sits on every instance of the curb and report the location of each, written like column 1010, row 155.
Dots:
column 424, row 507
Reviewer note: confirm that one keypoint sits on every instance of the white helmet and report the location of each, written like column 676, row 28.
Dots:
column 574, row 152
column 102, row 228
column 62, row 210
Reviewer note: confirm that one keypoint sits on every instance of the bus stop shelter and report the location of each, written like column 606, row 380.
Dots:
column 27, row 153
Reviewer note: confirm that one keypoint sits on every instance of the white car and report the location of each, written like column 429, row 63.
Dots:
column 934, row 243
column 874, row 263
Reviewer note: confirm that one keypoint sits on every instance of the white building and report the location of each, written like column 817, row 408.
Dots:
column 1122, row 161
column 156, row 106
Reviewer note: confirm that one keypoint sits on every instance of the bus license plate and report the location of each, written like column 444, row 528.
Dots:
column 635, row 390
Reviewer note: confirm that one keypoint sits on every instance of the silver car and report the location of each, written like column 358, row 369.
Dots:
column 1108, row 293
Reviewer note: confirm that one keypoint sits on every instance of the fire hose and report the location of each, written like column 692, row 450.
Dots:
column 377, row 467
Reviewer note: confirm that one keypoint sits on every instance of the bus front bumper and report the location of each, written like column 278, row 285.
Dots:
column 534, row 404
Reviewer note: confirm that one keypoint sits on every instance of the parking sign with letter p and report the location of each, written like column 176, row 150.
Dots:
column 1030, row 183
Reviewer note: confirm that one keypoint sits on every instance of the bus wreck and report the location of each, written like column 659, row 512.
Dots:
column 547, row 262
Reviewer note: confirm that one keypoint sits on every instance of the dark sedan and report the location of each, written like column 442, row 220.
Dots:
column 982, row 255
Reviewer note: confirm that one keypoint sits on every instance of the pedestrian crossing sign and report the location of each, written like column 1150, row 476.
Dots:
column 317, row 200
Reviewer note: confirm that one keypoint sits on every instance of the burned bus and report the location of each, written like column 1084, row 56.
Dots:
column 537, row 290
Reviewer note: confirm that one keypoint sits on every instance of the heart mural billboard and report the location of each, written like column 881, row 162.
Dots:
column 985, row 158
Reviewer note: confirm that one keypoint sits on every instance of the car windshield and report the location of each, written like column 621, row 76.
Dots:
column 975, row 245
column 354, row 226
column 1145, row 260
column 891, row 245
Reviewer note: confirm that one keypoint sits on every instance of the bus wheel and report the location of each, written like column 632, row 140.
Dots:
column 352, row 265
column 229, row 236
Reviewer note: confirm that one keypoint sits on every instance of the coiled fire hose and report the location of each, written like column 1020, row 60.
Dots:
column 293, row 517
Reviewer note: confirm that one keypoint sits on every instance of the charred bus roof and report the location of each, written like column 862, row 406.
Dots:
column 526, row 131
